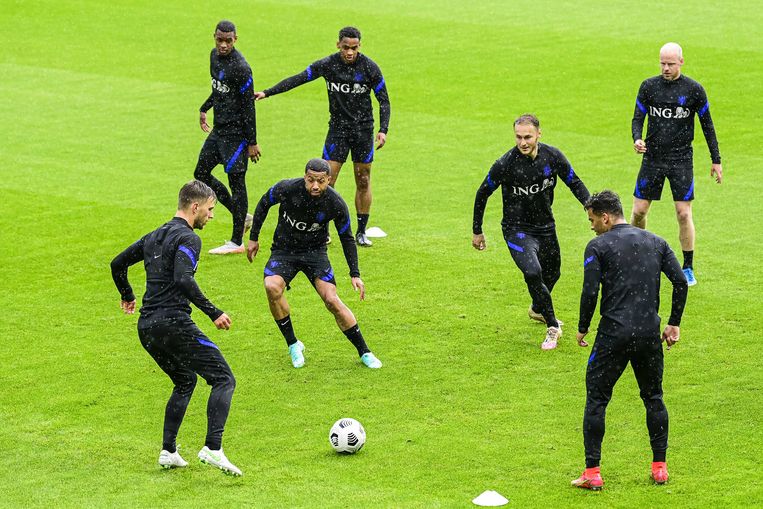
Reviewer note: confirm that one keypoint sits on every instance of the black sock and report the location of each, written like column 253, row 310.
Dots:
column 362, row 222
column 356, row 338
column 688, row 259
column 284, row 324
column 239, row 206
column 658, row 456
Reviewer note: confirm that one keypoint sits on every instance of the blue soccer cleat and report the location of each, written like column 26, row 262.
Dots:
column 370, row 361
column 689, row 273
column 295, row 352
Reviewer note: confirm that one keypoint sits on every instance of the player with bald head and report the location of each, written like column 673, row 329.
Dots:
column 306, row 206
column 671, row 100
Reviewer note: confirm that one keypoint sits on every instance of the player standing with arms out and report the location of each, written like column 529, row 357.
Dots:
column 527, row 175
column 307, row 205
column 670, row 101
column 627, row 263
column 350, row 77
column 234, row 136
column 170, row 256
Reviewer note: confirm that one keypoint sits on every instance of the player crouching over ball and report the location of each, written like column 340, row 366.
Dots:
column 307, row 205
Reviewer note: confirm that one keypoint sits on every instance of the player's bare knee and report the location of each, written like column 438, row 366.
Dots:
column 363, row 182
column 639, row 213
column 333, row 304
column 273, row 289
column 684, row 215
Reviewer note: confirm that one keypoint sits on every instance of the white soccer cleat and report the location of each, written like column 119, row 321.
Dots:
column 218, row 459
column 248, row 222
column 229, row 247
column 552, row 338
column 171, row 459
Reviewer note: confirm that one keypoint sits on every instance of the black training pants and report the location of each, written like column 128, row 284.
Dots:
column 232, row 154
column 183, row 351
column 609, row 357
column 539, row 258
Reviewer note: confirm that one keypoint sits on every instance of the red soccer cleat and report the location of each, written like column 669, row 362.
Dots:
column 590, row 479
column 659, row 472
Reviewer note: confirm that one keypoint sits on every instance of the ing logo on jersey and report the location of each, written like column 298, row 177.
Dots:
column 533, row 189
column 679, row 112
column 355, row 88
column 300, row 225
column 220, row 86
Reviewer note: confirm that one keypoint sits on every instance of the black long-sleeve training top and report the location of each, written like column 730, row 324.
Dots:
column 527, row 186
column 349, row 89
column 232, row 96
column 170, row 255
column 627, row 262
column 671, row 106
column 303, row 220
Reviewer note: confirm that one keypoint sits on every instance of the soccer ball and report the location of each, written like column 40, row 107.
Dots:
column 347, row 436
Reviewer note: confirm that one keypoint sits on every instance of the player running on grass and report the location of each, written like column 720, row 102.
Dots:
column 627, row 262
column 527, row 175
column 350, row 77
column 170, row 255
column 233, row 140
column 670, row 101
column 307, row 206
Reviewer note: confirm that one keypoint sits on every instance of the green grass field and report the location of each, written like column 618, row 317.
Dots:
column 99, row 116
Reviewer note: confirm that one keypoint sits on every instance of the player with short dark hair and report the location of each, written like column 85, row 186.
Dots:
column 670, row 101
column 307, row 206
column 234, row 136
column 527, row 175
column 626, row 262
column 350, row 77
column 170, row 255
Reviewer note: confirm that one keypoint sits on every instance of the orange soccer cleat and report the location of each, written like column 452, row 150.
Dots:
column 660, row 472
column 590, row 479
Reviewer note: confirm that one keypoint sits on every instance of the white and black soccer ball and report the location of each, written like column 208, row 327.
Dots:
column 347, row 436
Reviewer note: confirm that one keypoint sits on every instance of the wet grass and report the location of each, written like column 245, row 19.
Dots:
column 100, row 130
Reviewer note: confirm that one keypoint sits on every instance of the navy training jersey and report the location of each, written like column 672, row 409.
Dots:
column 627, row 262
column 670, row 107
column 527, row 186
column 232, row 96
column 170, row 255
column 303, row 220
column 349, row 89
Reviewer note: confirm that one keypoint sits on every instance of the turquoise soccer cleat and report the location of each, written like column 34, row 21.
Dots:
column 295, row 352
column 689, row 273
column 370, row 361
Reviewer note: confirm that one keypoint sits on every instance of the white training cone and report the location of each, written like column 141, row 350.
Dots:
column 490, row 498
column 375, row 232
